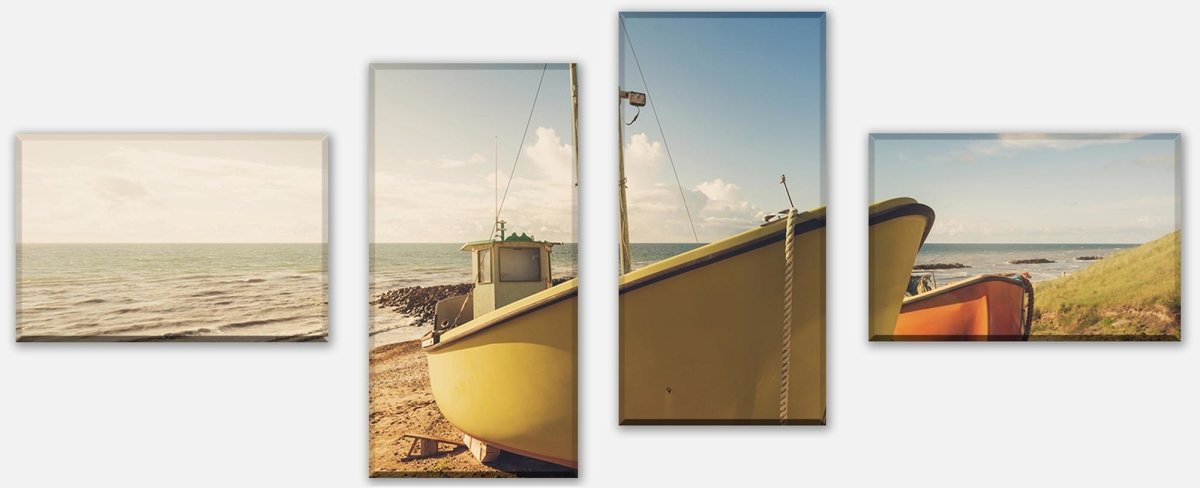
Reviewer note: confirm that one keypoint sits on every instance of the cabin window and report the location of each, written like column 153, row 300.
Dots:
column 520, row 264
column 484, row 266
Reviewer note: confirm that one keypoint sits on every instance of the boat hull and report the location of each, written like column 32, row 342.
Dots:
column 898, row 229
column 508, row 378
column 985, row 307
column 702, row 333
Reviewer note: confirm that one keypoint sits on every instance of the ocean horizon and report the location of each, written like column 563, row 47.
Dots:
column 401, row 265
column 141, row 291
column 405, row 264
column 408, row 264
column 994, row 258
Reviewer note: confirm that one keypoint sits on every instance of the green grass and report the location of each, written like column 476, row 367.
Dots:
column 1132, row 294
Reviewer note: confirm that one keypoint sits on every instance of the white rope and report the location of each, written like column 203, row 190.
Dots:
column 786, row 356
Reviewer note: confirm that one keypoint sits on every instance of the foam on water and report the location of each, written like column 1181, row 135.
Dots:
column 157, row 291
column 995, row 258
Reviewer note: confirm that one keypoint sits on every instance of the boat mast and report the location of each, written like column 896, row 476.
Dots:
column 496, row 158
column 575, row 134
column 637, row 100
column 626, row 259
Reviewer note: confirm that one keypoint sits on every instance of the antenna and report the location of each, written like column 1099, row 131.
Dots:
column 783, row 181
column 496, row 158
column 520, row 145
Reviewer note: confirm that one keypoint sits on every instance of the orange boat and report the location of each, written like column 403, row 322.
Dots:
column 984, row 307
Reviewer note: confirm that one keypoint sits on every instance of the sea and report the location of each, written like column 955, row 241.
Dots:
column 994, row 258
column 400, row 265
column 403, row 265
column 645, row 254
column 172, row 291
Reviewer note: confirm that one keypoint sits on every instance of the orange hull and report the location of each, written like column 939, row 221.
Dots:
column 986, row 307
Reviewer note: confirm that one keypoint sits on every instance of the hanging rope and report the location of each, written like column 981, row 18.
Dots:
column 635, row 116
column 1028, row 286
column 528, row 120
column 663, row 134
column 786, row 356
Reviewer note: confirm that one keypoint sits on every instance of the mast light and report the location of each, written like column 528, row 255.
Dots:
column 637, row 99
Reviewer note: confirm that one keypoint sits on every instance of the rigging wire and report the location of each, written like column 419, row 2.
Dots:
column 499, row 206
column 658, row 120
column 513, row 172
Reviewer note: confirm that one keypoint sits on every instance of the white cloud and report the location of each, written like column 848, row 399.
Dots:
column 419, row 204
column 450, row 163
column 116, row 189
column 656, row 209
column 1007, row 145
column 725, row 205
column 1059, row 143
column 551, row 156
column 946, row 228
column 719, row 191
column 171, row 191
column 1161, row 161
column 1118, row 221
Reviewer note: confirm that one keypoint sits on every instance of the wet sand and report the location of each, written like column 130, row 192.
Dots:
column 401, row 402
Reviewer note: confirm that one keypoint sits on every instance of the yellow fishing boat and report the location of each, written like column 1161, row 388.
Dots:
column 702, row 333
column 502, row 361
column 731, row 332
column 898, row 229
column 984, row 307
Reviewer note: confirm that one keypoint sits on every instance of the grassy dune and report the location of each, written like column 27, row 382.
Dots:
column 1130, row 295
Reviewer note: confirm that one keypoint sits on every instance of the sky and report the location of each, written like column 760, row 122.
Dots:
column 741, row 101
column 436, row 130
column 171, row 189
column 1034, row 188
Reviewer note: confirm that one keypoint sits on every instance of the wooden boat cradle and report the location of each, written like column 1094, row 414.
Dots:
column 424, row 446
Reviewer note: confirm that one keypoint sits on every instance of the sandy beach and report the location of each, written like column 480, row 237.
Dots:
column 401, row 402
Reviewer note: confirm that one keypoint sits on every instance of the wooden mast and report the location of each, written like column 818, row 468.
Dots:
column 626, row 259
column 575, row 137
column 496, row 159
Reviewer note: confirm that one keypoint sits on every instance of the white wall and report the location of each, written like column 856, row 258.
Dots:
column 295, row 415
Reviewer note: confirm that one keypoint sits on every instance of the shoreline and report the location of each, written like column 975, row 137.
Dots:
column 410, row 310
column 398, row 334
column 1041, row 270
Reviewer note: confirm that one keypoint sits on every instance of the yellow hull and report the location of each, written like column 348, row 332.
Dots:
column 508, row 378
column 898, row 228
column 702, row 332
column 984, row 307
